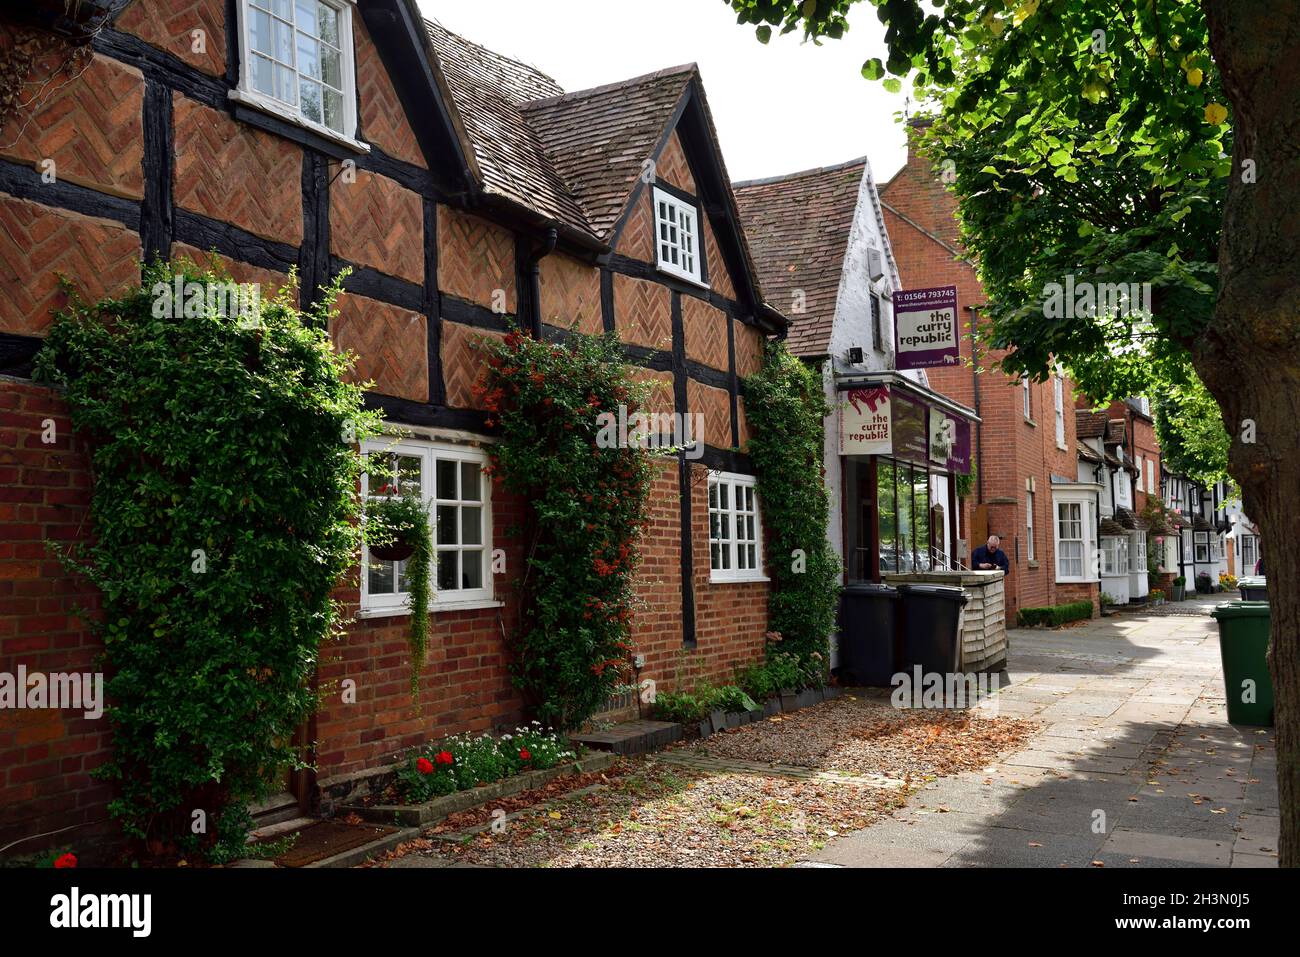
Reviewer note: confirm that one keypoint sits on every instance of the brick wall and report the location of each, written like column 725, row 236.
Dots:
column 231, row 172
column 464, row 686
column 1010, row 449
column 46, row 756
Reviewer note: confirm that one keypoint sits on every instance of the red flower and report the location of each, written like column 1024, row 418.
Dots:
column 524, row 755
column 66, row 860
column 444, row 757
column 424, row 766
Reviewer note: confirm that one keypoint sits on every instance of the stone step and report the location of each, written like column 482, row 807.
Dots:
column 278, row 828
column 632, row 737
column 279, row 807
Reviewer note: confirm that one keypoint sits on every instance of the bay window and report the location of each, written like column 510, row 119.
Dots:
column 1114, row 555
column 1074, row 536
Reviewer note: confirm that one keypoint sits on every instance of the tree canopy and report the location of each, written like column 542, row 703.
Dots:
column 1088, row 145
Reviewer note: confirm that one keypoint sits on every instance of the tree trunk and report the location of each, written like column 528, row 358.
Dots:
column 1250, row 357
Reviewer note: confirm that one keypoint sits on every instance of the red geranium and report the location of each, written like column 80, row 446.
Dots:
column 525, row 755
column 444, row 757
column 424, row 766
column 66, row 860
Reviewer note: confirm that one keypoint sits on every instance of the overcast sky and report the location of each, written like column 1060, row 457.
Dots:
column 779, row 108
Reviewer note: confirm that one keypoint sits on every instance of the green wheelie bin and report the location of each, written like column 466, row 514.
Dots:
column 1243, row 645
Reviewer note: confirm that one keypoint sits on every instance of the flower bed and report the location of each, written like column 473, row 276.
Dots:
column 463, row 761
column 465, row 770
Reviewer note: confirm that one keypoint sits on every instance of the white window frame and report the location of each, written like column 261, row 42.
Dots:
column 1140, row 564
column 1028, row 409
column 729, row 545
column 1151, row 476
column 1201, row 540
column 1084, row 520
column 429, row 452
column 679, row 208
column 244, row 92
column 1248, row 564
column 1029, row 526
column 1058, row 396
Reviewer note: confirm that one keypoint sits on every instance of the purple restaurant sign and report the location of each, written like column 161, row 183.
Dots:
column 925, row 328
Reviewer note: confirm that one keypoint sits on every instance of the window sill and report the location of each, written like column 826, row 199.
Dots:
column 1029, row 421
column 435, row 606
column 683, row 277
column 1033, row 563
column 737, row 580
column 274, row 108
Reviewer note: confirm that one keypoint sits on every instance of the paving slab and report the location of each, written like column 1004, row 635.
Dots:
column 1194, row 850
column 1133, row 723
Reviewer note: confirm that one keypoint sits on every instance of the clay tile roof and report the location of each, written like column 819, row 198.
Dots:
column 1108, row 527
column 798, row 229
column 1130, row 519
column 488, row 90
column 1115, row 432
column 1088, row 453
column 598, row 139
column 1089, row 425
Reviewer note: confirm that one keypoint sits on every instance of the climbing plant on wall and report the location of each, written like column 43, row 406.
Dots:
column 224, row 509
column 786, row 411
column 587, row 504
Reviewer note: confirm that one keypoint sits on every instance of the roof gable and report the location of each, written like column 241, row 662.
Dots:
column 799, row 227
column 599, row 140
column 397, row 30
column 488, row 91
column 576, row 160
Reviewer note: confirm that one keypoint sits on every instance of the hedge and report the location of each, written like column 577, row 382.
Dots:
column 1055, row 615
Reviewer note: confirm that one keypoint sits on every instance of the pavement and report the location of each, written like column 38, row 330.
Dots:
column 1136, row 764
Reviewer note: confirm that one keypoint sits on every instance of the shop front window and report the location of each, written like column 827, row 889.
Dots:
column 903, row 501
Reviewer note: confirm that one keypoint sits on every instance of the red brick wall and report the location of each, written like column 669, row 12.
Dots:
column 1142, row 442
column 923, row 229
column 169, row 25
column 464, row 685
column 252, row 179
column 46, row 756
column 730, row 617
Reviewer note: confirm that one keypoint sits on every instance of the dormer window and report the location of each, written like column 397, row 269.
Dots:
column 677, row 236
column 296, row 61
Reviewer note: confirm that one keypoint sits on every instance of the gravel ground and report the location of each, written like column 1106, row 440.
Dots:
column 649, row 813
column 666, row 816
column 867, row 736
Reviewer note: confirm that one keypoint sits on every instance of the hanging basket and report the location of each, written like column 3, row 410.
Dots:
column 392, row 552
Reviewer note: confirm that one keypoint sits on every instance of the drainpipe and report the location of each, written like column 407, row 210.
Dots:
column 979, row 419
column 533, row 265
column 1096, row 478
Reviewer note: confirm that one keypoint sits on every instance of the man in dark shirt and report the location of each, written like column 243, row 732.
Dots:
column 989, row 556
